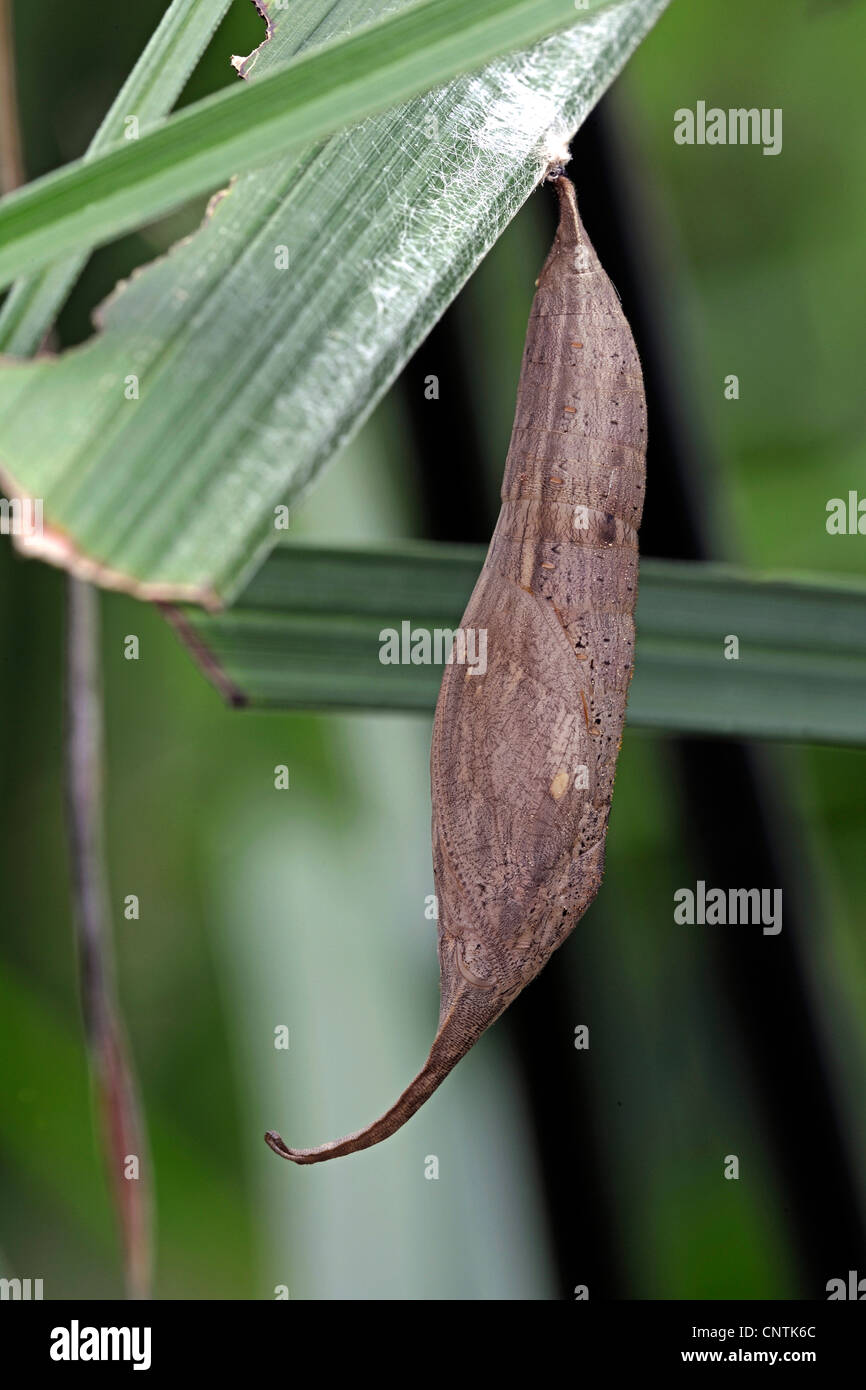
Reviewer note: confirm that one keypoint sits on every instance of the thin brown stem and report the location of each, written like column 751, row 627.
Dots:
column 123, row 1131
column 11, row 157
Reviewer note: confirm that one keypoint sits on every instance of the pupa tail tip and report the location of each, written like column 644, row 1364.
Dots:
column 301, row 1156
column 275, row 1142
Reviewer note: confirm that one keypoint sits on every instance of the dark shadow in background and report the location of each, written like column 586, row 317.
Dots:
column 733, row 803
column 733, row 809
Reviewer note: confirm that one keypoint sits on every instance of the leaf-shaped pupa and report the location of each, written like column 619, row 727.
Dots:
column 524, row 752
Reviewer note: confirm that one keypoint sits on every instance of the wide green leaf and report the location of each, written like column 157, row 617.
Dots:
column 340, row 83
column 227, row 373
column 307, row 633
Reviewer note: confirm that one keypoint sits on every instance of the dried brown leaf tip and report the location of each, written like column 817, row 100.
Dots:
column 523, row 756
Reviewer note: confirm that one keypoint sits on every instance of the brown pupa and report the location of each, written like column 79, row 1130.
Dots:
column 523, row 756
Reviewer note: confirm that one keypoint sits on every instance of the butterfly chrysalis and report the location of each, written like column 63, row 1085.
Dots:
column 524, row 755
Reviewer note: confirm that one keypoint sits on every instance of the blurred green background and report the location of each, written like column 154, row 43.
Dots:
column 307, row 907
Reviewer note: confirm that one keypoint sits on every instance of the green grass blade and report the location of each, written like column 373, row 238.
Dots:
column 150, row 91
column 89, row 202
column 306, row 634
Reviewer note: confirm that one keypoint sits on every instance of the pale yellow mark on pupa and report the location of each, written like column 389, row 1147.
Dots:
column 559, row 785
column 527, row 567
